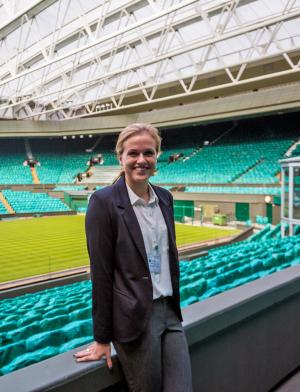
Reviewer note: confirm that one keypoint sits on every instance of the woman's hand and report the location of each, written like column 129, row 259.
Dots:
column 95, row 352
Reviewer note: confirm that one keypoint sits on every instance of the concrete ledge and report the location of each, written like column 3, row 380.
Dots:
column 36, row 214
column 203, row 319
column 27, row 286
column 62, row 373
column 244, row 340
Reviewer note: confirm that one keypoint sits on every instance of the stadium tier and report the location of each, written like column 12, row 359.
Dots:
column 109, row 158
column 255, row 162
column 244, row 154
column 37, row 326
column 237, row 190
column 265, row 171
column 24, row 201
column 57, row 168
column 59, row 160
column 12, row 156
column 234, row 265
column 167, row 153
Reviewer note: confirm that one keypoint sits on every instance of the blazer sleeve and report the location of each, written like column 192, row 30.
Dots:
column 173, row 220
column 99, row 234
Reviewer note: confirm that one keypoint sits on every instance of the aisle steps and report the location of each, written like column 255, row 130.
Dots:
column 6, row 204
column 35, row 177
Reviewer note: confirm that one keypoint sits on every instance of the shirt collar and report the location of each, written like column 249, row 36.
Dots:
column 136, row 200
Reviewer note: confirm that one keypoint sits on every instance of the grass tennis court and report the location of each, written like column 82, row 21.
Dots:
column 36, row 246
column 188, row 234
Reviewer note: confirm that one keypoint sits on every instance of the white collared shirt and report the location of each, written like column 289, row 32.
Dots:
column 155, row 233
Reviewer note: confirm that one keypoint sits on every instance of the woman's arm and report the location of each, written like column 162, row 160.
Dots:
column 100, row 242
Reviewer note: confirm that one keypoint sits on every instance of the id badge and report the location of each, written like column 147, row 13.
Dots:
column 154, row 262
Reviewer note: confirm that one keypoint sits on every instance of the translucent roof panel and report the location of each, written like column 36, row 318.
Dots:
column 57, row 55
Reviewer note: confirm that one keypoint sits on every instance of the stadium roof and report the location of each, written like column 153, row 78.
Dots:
column 63, row 59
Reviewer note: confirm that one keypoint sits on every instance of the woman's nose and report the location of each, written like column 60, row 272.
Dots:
column 140, row 157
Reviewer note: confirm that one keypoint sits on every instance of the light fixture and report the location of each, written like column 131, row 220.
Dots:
column 268, row 199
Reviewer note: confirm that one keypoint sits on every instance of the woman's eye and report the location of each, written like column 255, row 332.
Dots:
column 149, row 153
column 133, row 154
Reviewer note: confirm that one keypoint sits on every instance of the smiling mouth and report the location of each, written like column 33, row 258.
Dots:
column 141, row 168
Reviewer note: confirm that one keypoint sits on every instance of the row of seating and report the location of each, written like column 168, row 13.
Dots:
column 37, row 326
column 12, row 170
column 266, row 170
column 25, row 201
column 249, row 162
column 3, row 210
column 69, row 188
column 236, row 264
column 233, row 158
column 266, row 233
column 244, row 190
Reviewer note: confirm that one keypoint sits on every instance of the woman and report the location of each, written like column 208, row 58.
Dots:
column 135, row 273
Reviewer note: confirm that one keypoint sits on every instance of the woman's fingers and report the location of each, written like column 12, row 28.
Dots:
column 108, row 360
column 88, row 357
column 95, row 352
column 83, row 353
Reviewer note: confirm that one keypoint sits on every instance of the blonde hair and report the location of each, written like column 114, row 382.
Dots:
column 132, row 130
column 135, row 129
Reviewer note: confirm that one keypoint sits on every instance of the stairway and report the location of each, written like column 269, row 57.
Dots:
column 247, row 170
column 292, row 148
column 102, row 174
column 6, row 204
column 34, row 176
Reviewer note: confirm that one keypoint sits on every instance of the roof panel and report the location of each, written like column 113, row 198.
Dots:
column 92, row 49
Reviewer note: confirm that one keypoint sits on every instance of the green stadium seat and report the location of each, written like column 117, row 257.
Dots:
column 58, row 319
column 25, row 201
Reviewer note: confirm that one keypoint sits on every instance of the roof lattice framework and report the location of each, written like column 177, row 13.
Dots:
column 62, row 59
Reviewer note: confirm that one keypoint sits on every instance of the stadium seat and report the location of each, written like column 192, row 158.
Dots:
column 25, row 201
column 59, row 319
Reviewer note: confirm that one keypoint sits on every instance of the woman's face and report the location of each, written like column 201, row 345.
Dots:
column 138, row 158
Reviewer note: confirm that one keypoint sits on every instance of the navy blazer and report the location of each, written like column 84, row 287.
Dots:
column 122, row 293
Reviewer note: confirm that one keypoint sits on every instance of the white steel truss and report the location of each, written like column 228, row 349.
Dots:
column 101, row 56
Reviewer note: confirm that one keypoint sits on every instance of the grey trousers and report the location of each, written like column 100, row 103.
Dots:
column 159, row 361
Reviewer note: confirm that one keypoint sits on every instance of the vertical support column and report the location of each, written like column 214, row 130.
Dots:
column 282, row 202
column 291, row 200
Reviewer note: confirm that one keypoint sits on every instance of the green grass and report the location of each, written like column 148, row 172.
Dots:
column 186, row 234
column 41, row 245
column 36, row 246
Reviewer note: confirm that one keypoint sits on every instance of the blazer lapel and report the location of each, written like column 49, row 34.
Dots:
column 130, row 219
column 167, row 212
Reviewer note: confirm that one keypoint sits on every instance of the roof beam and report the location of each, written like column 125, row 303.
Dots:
column 136, row 25
column 33, row 9
column 184, row 49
